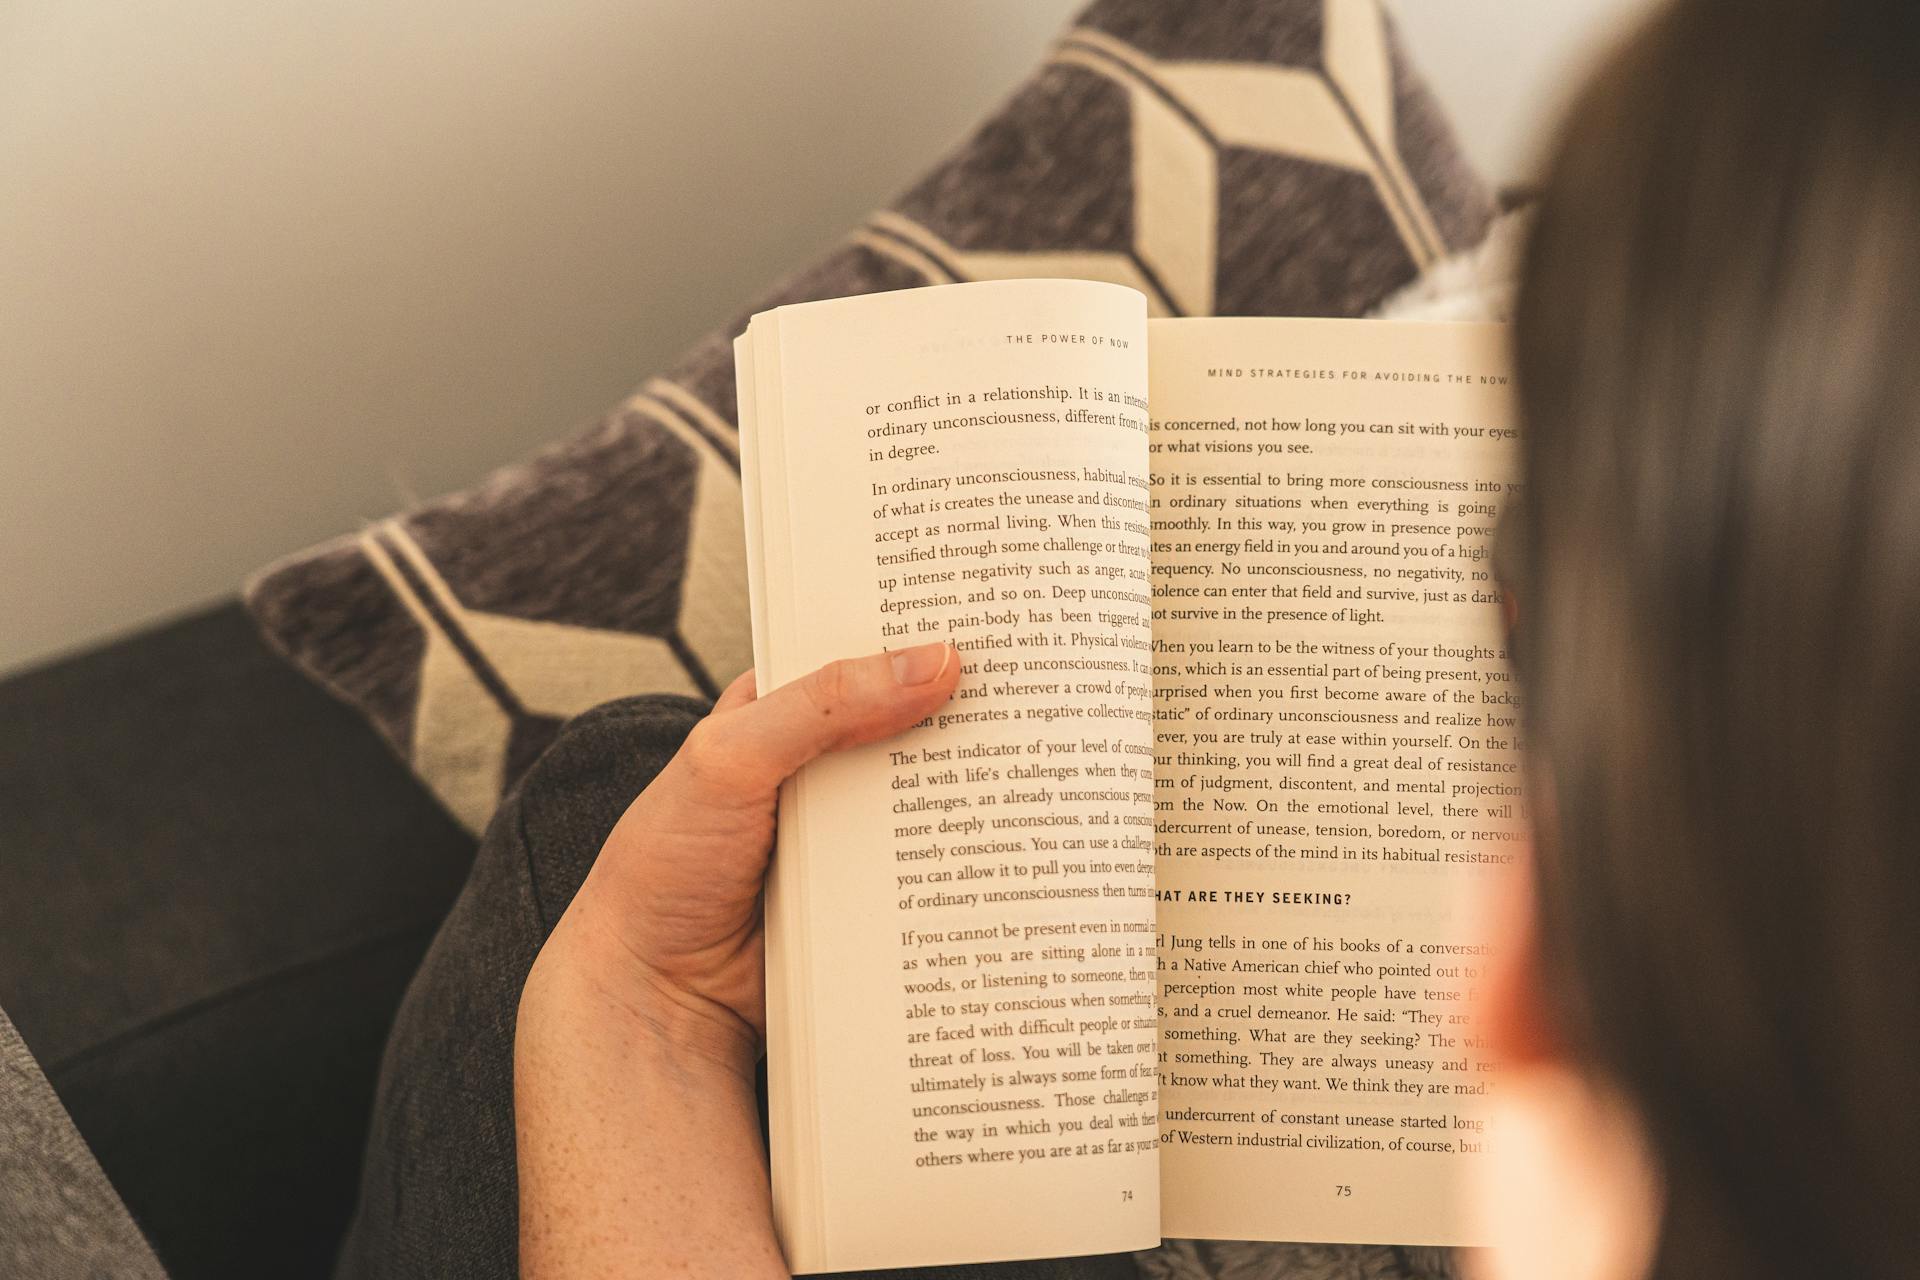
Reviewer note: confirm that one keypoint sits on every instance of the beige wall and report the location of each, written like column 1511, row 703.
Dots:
column 268, row 269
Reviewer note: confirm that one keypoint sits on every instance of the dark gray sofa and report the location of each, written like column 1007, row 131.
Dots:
column 215, row 882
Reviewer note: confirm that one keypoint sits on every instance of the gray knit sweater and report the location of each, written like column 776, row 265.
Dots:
column 59, row 1217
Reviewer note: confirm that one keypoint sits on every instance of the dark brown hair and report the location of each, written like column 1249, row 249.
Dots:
column 1719, row 619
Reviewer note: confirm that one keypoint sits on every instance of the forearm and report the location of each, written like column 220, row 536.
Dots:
column 638, row 1135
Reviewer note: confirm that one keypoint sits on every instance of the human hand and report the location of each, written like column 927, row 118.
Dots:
column 668, row 923
column 636, row 1137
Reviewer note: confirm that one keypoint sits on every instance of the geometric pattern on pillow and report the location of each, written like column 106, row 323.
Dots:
column 1225, row 157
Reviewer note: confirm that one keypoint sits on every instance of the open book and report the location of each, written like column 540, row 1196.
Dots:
column 1156, row 929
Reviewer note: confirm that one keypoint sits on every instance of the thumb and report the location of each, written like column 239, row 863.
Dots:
column 753, row 748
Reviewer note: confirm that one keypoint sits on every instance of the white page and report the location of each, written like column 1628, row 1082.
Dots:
column 880, row 418
column 1319, row 1080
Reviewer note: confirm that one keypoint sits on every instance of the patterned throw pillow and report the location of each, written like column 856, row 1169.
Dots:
column 1225, row 157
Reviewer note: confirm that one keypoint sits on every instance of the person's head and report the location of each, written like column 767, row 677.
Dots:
column 1717, row 575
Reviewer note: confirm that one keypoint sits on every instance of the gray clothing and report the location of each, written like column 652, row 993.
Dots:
column 59, row 1217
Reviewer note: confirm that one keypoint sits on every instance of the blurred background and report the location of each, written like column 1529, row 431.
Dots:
column 268, row 270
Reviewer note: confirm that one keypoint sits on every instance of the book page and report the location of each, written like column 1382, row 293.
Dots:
column 1336, row 762
column 960, row 921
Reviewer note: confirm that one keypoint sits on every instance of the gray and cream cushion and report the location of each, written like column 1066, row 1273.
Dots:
column 1229, row 157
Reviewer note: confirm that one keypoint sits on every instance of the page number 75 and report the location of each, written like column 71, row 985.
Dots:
column 1342, row 1192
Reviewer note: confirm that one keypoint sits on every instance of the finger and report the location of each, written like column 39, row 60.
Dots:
column 742, row 691
column 756, row 746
